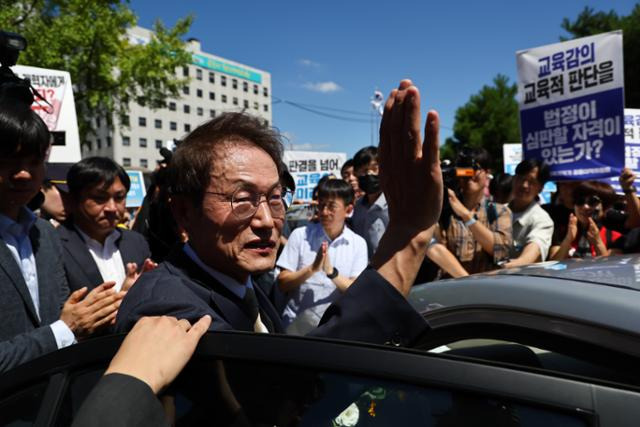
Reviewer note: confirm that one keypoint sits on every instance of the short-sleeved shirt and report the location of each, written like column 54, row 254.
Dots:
column 370, row 221
column 462, row 244
column 347, row 252
column 533, row 225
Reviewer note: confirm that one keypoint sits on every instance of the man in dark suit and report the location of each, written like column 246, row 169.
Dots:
column 226, row 193
column 95, row 249
column 38, row 314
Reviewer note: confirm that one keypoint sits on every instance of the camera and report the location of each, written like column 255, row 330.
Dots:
column 465, row 166
column 13, row 87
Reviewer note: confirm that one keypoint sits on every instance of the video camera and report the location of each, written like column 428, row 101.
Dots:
column 11, row 86
column 465, row 166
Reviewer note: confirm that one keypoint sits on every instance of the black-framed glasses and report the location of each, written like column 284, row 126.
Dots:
column 592, row 201
column 245, row 202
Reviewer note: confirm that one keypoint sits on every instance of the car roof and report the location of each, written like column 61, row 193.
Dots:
column 603, row 291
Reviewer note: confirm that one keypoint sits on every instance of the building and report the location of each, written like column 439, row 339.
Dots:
column 216, row 85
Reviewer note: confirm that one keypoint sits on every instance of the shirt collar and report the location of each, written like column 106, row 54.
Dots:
column 26, row 220
column 320, row 230
column 522, row 214
column 228, row 282
column 111, row 238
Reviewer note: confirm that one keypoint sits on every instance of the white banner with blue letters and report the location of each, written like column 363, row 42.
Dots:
column 571, row 98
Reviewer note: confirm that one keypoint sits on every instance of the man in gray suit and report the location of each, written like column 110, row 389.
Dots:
column 38, row 314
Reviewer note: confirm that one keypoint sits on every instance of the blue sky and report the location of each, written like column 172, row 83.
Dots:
column 336, row 53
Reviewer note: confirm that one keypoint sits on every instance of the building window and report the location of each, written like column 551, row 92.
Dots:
column 126, row 162
column 172, row 106
column 235, row 100
column 245, row 103
column 173, row 126
column 256, row 106
column 108, row 141
column 158, row 123
column 266, row 122
column 224, row 99
column 187, row 127
column 97, row 122
column 185, row 90
column 126, row 141
column 144, row 163
column 98, row 143
column 212, row 96
column 223, row 80
column 234, row 83
column 143, row 142
column 265, row 91
column 158, row 143
column 245, row 86
column 198, row 74
column 142, row 122
column 186, row 108
column 212, row 113
column 125, row 120
column 212, row 77
column 88, row 146
column 200, row 111
column 266, row 107
column 199, row 93
column 255, row 89
column 185, row 71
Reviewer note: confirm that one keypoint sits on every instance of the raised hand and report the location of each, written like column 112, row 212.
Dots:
column 133, row 274
column 85, row 316
column 318, row 262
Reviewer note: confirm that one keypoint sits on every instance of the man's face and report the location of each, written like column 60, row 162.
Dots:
column 332, row 212
column 99, row 209
column 475, row 184
column 55, row 202
column 349, row 176
column 20, row 181
column 234, row 246
column 526, row 187
column 371, row 168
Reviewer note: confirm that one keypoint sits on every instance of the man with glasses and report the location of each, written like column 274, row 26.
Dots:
column 226, row 193
column 321, row 260
column 532, row 225
column 478, row 231
column 95, row 249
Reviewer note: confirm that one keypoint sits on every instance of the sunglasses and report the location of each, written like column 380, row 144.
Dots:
column 592, row 201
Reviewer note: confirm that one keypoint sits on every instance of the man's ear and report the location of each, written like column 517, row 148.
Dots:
column 182, row 209
column 349, row 208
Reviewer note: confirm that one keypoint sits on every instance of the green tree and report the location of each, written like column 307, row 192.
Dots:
column 88, row 39
column 488, row 120
column 590, row 22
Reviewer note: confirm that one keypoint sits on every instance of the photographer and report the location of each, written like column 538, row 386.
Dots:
column 474, row 229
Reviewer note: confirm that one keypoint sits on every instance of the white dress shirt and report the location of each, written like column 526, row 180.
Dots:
column 107, row 257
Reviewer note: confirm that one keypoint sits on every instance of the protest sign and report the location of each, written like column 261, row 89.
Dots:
column 631, row 145
column 571, row 98
column 307, row 167
column 60, row 115
column 137, row 190
column 512, row 155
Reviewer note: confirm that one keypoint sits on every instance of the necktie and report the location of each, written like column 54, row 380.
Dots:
column 251, row 309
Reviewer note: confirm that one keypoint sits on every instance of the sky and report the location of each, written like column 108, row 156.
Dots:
column 335, row 54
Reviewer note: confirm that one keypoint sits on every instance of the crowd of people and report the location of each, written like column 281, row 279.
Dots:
column 210, row 245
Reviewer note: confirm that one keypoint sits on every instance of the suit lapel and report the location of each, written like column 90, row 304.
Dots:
column 12, row 270
column 77, row 251
column 127, row 251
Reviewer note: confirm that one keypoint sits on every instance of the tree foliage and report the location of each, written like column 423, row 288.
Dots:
column 488, row 120
column 590, row 22
column 88, row 39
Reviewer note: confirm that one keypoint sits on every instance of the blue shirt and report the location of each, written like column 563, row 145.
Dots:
column 16, row 238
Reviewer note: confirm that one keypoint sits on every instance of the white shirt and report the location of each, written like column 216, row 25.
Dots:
column 16, row 237
column 307, row 304
column 107, row 257
column 370, row 221
column 533, row 225
column 237, row 288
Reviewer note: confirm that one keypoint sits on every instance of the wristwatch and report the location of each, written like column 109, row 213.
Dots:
column 471, row 221
column 333, row 274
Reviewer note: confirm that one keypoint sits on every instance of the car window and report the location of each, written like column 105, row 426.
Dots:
column 224, row 393
column 80, row 385
column 21, row 408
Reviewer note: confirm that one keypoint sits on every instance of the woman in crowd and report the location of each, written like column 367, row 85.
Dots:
column 586, row 236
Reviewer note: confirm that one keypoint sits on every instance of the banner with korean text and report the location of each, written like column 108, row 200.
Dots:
column 571, row 98
column 631, row 145
column 307, row 167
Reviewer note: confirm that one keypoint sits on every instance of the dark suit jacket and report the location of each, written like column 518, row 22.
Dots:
column 24, row 335
column 371, row 310
column 79, row 265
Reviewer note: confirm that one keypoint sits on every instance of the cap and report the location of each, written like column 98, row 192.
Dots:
column 56, row 173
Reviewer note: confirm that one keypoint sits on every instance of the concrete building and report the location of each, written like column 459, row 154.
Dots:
column 217, row 85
